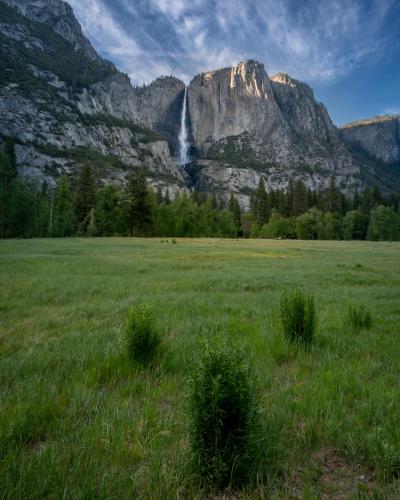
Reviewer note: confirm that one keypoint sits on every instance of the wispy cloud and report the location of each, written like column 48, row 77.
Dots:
column 314, row 40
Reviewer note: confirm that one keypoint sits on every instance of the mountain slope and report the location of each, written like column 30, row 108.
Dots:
column 245, row 125
column 379, row 137
column 63, row 104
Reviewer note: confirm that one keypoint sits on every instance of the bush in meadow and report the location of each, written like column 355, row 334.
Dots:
column 142, row 334
column 298, row 316
column 223, row 412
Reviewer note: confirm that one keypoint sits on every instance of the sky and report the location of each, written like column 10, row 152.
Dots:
column 347, row 50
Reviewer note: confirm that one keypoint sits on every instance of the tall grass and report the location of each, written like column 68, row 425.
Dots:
column 298, row 315
column 223, row 415
column 142, row 334
column 359, row 317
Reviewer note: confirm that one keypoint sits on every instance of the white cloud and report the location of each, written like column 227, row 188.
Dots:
column 316, row 40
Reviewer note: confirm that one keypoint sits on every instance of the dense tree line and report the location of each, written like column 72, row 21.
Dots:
column 84, row 209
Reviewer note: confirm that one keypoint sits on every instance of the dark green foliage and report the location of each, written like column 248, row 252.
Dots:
column 138, row 209
column 298, row 315
column 108, row 212
column 141, row 334
column 299, row 198
column 84, row 199
column 260, row 204
column 359, row 317
column 278, row 227
column 355, row 225
column 235, row 210
column 308, row 225
column 384, row 224
column 62, row 219
column 223, row 417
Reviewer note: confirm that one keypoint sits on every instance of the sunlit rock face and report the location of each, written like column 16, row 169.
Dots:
column 231, row 101
column 240, row 118
column 379, row 137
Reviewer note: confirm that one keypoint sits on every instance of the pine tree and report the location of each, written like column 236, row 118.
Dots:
column 235, row 210
column 356, row 200
column 108, row 217
column 261, row 204
column 84, row 199
column 138, row 210
column 332, row 199
column 159, row 197
column 376, row 197
column 9, row 150
column 62, row 218
column 8, row 176
column 299, row 198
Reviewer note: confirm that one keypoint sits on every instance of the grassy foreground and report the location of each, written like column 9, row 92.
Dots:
column 78, row 421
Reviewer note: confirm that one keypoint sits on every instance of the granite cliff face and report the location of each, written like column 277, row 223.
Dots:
column 242, row 120
column 60, row 17
column 379, row 137
column 64, row 105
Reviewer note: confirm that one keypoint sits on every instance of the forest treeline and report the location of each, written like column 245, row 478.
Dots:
column 83, row 208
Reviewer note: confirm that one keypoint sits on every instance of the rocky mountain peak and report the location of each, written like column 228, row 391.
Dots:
column 250, row 77
column 378, row 136
column 283, row 79
column 60, row 17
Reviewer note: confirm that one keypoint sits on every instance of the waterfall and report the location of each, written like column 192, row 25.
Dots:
column 183, row 139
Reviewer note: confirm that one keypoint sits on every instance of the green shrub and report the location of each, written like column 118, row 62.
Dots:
column 359, row 317
column 223, row 416
column 174, row 241
column 142, row 334
column 298, row 315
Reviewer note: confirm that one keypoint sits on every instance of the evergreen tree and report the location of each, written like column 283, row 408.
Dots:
column 84, row 199
column 376, row 197
column 138, row 209
column 159, row 197
column 288, row 209
column 332, row 198
column 8, row 176
column 42, row 211
column 108, row 214
column 356, row 200
column 261, row 203
column 299, row 198
column 235, row 210
column 62, row 218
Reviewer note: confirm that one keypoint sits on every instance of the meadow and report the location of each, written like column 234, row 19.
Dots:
column 79, row 420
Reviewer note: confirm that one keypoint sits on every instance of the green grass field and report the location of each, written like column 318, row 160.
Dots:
column 79, row 421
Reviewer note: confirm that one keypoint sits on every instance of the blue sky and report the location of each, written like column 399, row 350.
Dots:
column 347, row 50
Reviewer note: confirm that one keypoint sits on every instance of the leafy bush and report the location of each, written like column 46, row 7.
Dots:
column 298, row 315
column 359, row 317
column 142, row 335
column 223, row 415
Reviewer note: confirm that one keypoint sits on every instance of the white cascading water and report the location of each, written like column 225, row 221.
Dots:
column 183, row 139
